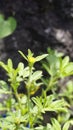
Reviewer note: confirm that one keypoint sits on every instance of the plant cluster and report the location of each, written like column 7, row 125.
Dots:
column 24, row 111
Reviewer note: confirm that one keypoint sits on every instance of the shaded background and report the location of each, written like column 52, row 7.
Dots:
column 40, row 24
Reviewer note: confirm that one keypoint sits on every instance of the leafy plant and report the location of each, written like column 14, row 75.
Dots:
column 57, row 68
column 67, row 92
column 7, row 26
column 24, row 111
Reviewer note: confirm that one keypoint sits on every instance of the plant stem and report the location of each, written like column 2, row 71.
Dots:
column 17, row 96
column 28, row 92
column 49, row 84
column 52, row 82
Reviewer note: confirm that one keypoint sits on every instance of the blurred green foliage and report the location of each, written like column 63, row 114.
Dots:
column 7, row 26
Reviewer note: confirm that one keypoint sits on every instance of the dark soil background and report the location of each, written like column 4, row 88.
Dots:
column 40, row 24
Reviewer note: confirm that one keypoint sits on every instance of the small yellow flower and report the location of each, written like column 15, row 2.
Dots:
column 31, row 60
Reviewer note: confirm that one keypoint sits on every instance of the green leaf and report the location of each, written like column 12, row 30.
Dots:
column 22, row 54
column 47, row 127
column 1, row 18
column 69, row 68
column 67, row 124
column 38, row 58
column 47, row 104
column 20, row 69
column 30, row 54
column 56, row 124
column 59, row 106
column 46, row 67
column 4, row 88
column 3, row 66
column 54, row 52
column 65, row 61
column 24, row 99
column 26, row 72
column 70, row 87
column 52, row 64
column 7, row 27
column 4, row 125
column 22, row 127
column 3, row 84
column 10, row 64
column 36, row 75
